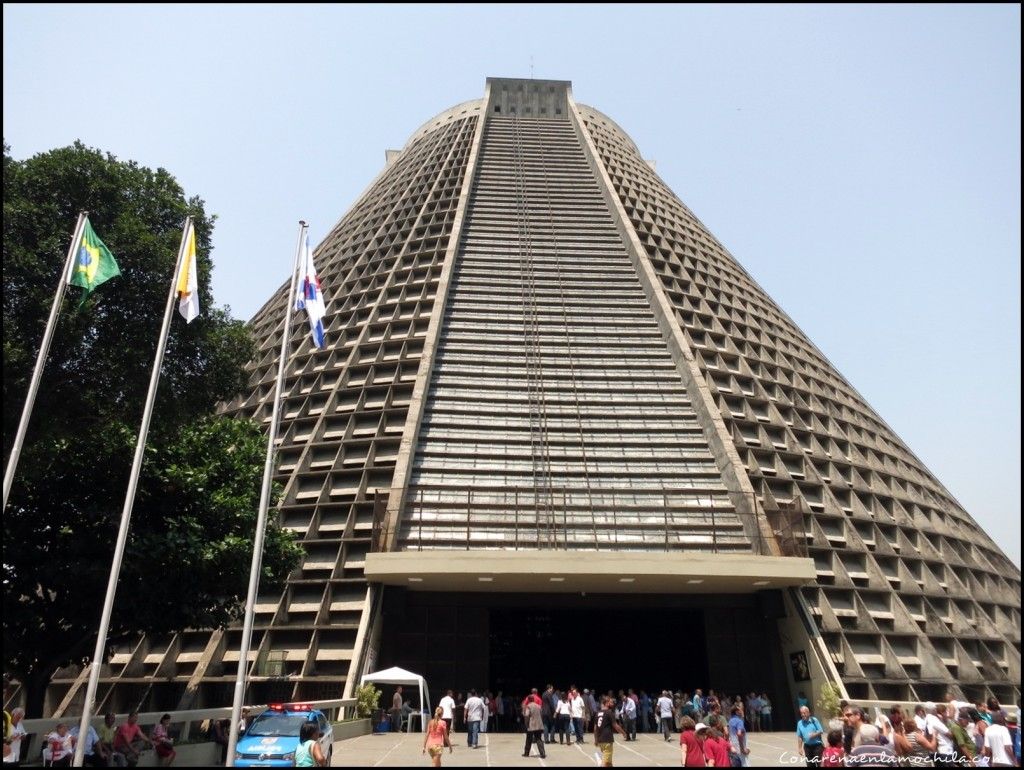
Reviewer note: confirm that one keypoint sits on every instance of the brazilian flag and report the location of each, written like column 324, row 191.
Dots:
column 94, row 263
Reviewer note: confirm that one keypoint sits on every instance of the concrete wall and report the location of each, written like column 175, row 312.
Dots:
column 794, row 639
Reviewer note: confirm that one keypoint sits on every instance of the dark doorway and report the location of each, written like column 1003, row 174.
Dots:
column 514, row 641
column 643, row 649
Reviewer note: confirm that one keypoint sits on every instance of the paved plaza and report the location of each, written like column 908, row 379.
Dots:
column 506, row 749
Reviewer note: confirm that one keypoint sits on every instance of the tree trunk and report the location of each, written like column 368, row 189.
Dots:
column 35, row 693
column 37, row 683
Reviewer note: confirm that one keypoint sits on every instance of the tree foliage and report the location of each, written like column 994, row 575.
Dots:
column 828, row 700
column 187, row 560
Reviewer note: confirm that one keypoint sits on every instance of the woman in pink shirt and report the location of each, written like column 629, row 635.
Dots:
column 436, row 738
column 162, row 741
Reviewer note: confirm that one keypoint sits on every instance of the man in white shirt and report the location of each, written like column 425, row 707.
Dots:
column 920, row 715
column 998, row 744
column 14, row 737
column 447, row 704
column 935, row 725
column 629, row 718
column 474, row 709
column 576, row 707
column 666, row 711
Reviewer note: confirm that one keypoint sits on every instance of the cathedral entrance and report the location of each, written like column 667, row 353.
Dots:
column 511, row 642
column 646, row 649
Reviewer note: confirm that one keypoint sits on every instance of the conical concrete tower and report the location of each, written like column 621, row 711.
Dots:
column 552, row 405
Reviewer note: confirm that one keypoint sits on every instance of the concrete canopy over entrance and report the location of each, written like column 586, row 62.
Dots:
column 575, row 571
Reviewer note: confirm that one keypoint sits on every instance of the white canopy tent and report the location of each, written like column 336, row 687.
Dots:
column 400, row 676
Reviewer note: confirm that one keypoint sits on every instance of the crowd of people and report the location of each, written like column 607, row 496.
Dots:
column 951, row 734
column 712, row 728
column 111, row 745
column 636, row 710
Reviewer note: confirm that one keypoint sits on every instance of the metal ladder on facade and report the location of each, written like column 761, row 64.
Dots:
column 547, row 528
column 573, row 379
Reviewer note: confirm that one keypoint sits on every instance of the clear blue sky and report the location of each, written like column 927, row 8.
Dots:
column 862, row 162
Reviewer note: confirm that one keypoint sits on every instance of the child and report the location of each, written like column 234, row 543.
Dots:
column 833, row 754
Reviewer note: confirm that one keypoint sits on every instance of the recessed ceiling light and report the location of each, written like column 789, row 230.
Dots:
column 626, row 580
column 485, row 579
column 415, row 580
column 557, row 580
column 762, row 582
column 695, row 582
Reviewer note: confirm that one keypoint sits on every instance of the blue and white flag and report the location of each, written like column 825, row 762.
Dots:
column 310, row 297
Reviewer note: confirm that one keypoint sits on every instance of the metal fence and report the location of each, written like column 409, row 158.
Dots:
column 186, row 725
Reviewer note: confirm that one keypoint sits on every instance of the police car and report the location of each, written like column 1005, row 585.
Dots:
column 271, row 738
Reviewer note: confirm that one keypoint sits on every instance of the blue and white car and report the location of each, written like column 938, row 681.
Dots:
column 272, row 737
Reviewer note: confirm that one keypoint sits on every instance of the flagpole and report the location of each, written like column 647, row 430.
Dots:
column 44, row 350
column 126, row 513
column 261, row 521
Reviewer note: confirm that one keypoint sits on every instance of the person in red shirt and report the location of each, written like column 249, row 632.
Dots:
column 533, row 697
column 691, row 746
column 129, row 736
column 833, row 754
column 716, row 746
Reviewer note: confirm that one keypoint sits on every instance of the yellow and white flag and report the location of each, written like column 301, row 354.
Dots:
column 188, row 285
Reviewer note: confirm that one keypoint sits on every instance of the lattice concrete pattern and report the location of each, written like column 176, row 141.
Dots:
column 532, row 344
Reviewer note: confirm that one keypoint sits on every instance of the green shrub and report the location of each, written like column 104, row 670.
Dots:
column 367, row 699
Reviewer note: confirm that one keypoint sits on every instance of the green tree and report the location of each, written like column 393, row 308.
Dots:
column 828, row 700
column 187, row 561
